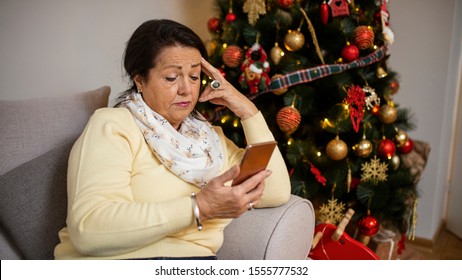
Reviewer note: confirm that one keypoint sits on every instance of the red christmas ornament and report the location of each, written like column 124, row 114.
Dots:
column 288, row 119
column 285, row 3
column 233, row 56
column 214, row 25
column 363, row 37
column 386, row 148
column 350, row 52
column 368, row 225
column 394, row 86
column 230, row 17
column 407, row 147
column 324, row 13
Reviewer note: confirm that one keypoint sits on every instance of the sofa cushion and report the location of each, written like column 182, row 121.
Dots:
column 284, row 232
column 32, row 127
column 8, row 249
column 33, row 202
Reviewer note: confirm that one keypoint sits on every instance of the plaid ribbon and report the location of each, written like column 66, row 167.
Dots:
column 311, row 74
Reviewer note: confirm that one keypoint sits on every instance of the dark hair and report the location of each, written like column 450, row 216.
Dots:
column 149, row 40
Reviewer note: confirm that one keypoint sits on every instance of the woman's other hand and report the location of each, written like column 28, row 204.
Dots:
column 217, row 200
column 226, row 94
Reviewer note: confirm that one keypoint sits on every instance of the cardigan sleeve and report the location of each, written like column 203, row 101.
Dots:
column 277, row 186
column 103, row 218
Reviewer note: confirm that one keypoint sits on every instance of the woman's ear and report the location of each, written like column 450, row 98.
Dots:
column 138, row 82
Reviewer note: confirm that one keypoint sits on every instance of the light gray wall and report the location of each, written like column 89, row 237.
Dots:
column 425, row 54
column 55, row 47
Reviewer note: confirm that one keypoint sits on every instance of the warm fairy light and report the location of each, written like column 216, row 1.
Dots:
column 346, row 106
column 236, row 123
column 224, row 119
column 204, row 81
column 318, row 154
column 290, row 141
column 375, row 47
column 282, row 53
column 326, row 123
column 225, row 45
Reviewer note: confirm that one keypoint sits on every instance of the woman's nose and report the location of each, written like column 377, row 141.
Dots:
column 185, row 86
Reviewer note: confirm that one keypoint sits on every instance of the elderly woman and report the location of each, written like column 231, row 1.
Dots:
column 150, row 178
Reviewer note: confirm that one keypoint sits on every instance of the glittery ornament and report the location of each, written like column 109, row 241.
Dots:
column 233, row 56
column 363, row 149
column 214, row 25
column 294, row 40
column 336, row 149
column 288, row 119
column 363, row 37
column 388, row 114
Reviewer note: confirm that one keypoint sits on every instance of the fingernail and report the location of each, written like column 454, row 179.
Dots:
column 268, row 172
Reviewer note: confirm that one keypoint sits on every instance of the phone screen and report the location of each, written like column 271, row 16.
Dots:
column 256, row 158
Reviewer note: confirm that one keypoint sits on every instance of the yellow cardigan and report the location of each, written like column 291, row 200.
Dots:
column 123, row 203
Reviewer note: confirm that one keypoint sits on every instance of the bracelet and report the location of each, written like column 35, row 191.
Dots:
column 196, row 211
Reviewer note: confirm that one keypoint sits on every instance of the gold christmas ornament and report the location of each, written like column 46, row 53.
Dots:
column 276, row 54
column 294, row 40
column 388, row 114
column 363, row 149
column 401, row 138
column 394, row 162
column 279, row 91
column 336, row 149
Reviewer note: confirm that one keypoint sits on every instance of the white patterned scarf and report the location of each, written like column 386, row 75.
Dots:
column 193, row 152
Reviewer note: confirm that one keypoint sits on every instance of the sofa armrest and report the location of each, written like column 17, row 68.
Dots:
column 284, row 232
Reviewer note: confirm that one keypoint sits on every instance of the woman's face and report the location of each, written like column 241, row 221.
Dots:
column 172, row 87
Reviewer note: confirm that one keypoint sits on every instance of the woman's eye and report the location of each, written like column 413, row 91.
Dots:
column 194, row 78
column 170, row 79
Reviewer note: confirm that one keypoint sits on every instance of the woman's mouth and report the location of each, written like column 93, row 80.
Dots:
column 183, row 104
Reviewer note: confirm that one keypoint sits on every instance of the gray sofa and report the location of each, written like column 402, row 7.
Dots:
column 35, row 140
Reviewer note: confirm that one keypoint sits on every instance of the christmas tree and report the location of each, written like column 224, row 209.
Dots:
column 317, row 71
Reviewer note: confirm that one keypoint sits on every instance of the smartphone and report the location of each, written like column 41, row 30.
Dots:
column 256, row 158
